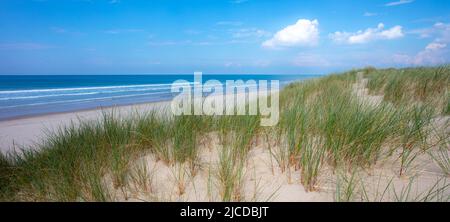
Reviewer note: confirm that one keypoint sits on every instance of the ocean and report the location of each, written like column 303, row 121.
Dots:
column 31, row 95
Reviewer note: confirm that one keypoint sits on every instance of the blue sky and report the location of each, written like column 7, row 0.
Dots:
column 230, row 36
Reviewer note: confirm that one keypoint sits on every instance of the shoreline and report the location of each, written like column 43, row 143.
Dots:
column 79, row 110
column 22, row 132
column 9, row 112
column 25, row 131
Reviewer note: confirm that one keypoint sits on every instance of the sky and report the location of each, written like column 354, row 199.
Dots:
column 220, row 37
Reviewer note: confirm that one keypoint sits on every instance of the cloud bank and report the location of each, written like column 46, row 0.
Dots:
column 436, row 52
column 368, row 35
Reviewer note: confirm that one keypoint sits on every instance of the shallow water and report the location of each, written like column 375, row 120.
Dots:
column 28, row 95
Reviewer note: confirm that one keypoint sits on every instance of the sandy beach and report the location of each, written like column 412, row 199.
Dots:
column 20, row 133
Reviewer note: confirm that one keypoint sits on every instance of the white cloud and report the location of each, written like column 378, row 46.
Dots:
column 438, row 28
column 435, row 46
column 370, row 14
column 436, row 52
column 368, row 35
column 422, row 33
column 443, row 32
column 303, row 33
column 428, row 56
column 401, row 2
column 392, row 33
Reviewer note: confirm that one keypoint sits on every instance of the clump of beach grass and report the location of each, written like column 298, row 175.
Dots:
column 237, row 134
column 346, row 131
column 152, row 134
column 414, row 135
column 442, row 158
column 5, row 175
column 355, row 133
column 350, row 186
column 346, row 186
column 429, row 85
column 436, row 192
column 141, row 178
column 230, row 173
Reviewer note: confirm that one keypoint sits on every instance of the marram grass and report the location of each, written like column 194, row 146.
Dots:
column 322, row 122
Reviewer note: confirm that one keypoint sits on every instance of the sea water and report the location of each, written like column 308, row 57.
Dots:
column 30, row 95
